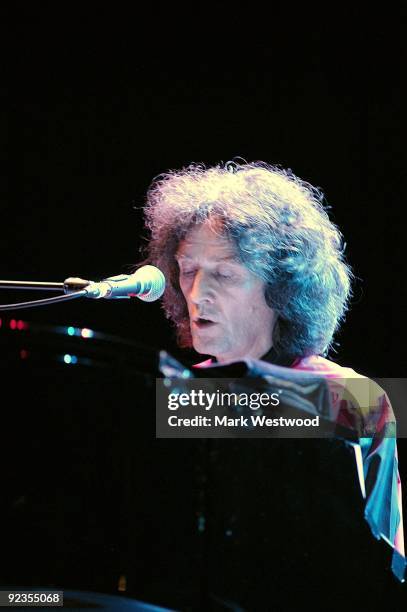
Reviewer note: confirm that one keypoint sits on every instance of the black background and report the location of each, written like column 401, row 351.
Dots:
column 101, row 103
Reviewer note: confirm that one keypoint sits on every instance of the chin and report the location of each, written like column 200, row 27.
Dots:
column 204, row 348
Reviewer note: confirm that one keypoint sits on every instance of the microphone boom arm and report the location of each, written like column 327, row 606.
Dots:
column 147, row 283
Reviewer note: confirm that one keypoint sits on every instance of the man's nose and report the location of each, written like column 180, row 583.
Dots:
column 202, row 290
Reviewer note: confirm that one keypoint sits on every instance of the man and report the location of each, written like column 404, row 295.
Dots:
column 256, row 269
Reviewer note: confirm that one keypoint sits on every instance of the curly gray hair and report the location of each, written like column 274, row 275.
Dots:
column 282, row 233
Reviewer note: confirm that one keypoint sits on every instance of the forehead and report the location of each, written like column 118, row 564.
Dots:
column 202, row 242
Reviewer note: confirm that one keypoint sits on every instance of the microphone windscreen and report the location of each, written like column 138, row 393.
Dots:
column 154, row 279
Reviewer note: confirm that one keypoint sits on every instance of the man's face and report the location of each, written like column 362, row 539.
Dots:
column 229, row 298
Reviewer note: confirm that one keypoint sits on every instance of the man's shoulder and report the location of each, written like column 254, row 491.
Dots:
column 326, row 367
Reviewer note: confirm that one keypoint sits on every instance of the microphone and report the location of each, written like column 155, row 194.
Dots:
column 147, row 283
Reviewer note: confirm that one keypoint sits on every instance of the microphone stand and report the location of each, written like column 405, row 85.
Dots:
column 72, row 287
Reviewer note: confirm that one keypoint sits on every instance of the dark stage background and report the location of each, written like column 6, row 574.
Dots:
column 97, row 111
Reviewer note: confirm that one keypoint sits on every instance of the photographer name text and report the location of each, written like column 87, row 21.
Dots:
column 241, row 421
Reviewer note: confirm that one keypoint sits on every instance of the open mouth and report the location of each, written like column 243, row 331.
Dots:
column 202, row 323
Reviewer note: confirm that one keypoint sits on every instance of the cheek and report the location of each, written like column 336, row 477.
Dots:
column 253, row 309
column 240, row 310
column 258, row 306
column 254, row 299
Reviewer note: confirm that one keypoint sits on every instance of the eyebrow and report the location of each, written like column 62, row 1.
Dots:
column 234, row 258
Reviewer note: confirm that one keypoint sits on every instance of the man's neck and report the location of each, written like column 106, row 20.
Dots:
column 271, row 356
column 254, row 354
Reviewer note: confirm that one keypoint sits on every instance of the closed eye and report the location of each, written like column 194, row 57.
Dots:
column 221, row 274
column 224, row 274
column 188, row 272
